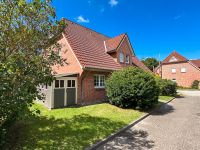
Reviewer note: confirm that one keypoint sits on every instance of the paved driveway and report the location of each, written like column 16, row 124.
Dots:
column 190, row 92
column 175, row 126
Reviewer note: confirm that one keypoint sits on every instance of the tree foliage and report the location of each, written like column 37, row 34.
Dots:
column 151, row 63
column 132, row 87
column 195, row 84
column 28, row 49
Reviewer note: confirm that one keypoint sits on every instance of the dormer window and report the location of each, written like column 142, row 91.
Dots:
column 121, row 57
column 127, row 59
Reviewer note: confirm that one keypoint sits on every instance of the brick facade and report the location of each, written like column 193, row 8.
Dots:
column 184, row 79
column 87, row 93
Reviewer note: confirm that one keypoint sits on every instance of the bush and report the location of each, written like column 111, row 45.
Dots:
column 166, row 87
column 132, row 87
column 195, row 84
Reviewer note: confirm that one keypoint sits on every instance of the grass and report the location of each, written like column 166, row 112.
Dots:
column 70, row 128
column 165, row 98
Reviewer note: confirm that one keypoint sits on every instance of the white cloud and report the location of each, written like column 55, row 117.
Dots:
column 113, row 3
column 81, row 19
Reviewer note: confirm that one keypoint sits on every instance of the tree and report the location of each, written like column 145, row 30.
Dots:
column 28, row 49
column 151, row 63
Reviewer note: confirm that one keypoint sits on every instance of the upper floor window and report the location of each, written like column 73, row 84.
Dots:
column 99, row 81
column 173, row 70
column 121, row 57
column 127, row 59
column 183, row 70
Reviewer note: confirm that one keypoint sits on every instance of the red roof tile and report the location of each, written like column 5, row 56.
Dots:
column 196, row 62
column 174, row 57
column 140, row 64
column 112, row 44
column 88, row 47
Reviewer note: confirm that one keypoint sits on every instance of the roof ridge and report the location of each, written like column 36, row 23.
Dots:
column 86, row 27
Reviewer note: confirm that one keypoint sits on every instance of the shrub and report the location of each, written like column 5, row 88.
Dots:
column 166, row 87
column 132, row 87
column 195, row 84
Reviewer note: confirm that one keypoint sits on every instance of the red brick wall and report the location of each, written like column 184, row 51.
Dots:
column 182, row 79
column 125, row 47
column 88, row 93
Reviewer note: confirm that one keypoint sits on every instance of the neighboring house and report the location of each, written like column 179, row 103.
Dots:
column 179, row 69
column 91, row 58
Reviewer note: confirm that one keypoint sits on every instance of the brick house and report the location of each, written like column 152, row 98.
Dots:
column 91, row 57
column 179, row 69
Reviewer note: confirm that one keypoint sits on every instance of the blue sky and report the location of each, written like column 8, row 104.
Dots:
column 155, row 27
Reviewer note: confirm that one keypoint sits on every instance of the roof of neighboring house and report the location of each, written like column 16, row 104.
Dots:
column 179, row 58
column 140, row 64
column 196, row 62
column 88, row 46
column 113, row 43
column 174, row 57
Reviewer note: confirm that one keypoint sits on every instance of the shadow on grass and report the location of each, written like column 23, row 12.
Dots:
column 71, row 134
column 129, row 140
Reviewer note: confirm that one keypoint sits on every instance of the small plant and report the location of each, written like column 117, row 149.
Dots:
column 132, row 87
column 195, row 84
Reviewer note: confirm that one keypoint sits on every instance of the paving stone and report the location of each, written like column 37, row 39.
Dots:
column 175, row 126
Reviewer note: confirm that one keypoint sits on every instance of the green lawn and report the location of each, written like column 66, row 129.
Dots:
column 165, row 98
column 72, row 128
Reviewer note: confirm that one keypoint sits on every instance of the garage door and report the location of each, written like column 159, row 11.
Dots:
column 59, row 94
column 71, row 92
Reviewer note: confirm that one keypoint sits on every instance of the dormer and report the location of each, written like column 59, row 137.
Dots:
column 120, row 49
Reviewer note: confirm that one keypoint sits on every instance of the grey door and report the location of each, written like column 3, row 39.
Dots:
column 59, row 97
column 71, row 92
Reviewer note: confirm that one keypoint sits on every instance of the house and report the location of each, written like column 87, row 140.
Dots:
column 179, row 69
column 91, row 57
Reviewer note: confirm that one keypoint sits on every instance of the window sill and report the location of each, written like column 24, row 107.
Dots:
column 103, row 87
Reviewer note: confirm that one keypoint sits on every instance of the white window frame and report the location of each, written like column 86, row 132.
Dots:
column 71, row 83
column 183, row 69
column 173, row 70
column 99, row 81
column 127, row 59
column 59, row 84
column 121, row 57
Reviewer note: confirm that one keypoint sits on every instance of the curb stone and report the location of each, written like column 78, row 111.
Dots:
column 113, row 135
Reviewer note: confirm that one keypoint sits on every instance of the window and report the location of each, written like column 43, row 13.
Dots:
column 70, row 83
column 173, row 59
column 174, row 80
column 99, row 81
column 59, row 83
column 173, row 70
column 183, row 69
column 121, row 57
column 127, row 59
